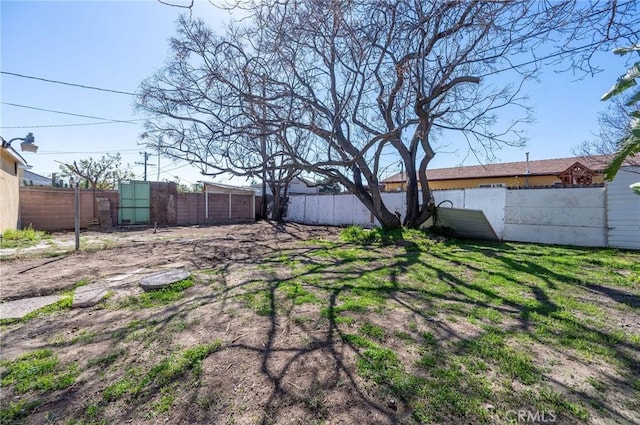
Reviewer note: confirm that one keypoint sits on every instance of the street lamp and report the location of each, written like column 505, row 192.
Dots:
column 27, row 145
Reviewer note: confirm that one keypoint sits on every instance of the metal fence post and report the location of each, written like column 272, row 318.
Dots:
column 77, row 214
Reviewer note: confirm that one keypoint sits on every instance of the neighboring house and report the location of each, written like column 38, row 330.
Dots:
column 540, row 173
column 224, row 204
column 297, row 186
column 10, row 168
column 29, row 178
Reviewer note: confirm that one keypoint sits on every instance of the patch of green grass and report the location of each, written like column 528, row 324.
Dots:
column 358, row 341
column 492, row 346
column 84, row 337
column 428, row 337
column 11, row 238
column 127, row 385
column 597, row 384
column 82, row 282
column 491, row 314
column 16, row 410
column 163, row 404
column 356, row 234
column 261, row 302
column 372, row 331
column 63, row 304
column 135, row 330
column 377, row 235
column 37, row 370
column 427, row 361
column 301, row 320
column 92, row 410
column 295, row 292
column 162, row 374
column 158, row 297
column 177, row 325
column 347, row 254
column 287, row 260
column 345, row 320
column 379, row 364
column 357, row 300
column 403, row 336
column 107, row 359
column 548, row 399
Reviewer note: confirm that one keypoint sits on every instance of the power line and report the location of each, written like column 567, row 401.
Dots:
column 68, row 125
column 165, row 170
column 68, row 113
column 145, row 163
column 81, row 153
column 67, row 84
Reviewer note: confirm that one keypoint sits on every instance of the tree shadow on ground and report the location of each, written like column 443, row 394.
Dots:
column 312, row 369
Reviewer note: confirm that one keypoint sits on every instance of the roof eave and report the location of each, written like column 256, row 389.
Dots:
column 15, row 155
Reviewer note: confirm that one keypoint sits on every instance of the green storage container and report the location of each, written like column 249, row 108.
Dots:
column 135, row 202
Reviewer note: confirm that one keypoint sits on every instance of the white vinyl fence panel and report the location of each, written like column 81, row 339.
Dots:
column 568, row 216
column 623, row 210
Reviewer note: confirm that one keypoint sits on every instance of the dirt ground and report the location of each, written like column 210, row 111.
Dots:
column 191, row 248
column 249, row 382
column 286, row 368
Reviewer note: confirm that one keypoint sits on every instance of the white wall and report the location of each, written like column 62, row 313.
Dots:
column 490, row 201
column 571, row 216
column 623, row 210
column 346, row 209
column 556, row 216
column 333, row 210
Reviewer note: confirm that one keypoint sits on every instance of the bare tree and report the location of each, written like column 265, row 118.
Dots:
column 103, row 173
column 367, row 78
column 207, row 107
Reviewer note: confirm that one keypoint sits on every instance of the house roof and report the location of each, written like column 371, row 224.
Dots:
column 509, row 169
column 36, row 179
column 213, row 187
column 15, row 155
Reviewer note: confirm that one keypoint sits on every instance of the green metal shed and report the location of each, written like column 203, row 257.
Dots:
column 135, row 202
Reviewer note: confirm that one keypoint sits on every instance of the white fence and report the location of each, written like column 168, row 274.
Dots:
column 598, row 217
column 623, row 211
column 556, row 216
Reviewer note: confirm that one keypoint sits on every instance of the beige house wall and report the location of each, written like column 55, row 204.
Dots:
column 9, row 192
column 511, row 181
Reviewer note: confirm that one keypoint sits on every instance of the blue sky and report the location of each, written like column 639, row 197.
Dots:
column 117, row 44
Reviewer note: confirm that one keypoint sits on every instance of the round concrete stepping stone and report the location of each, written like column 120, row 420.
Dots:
column 162, row 279
column 88, row 296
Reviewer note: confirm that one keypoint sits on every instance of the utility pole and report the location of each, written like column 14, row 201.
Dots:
column 145, row 163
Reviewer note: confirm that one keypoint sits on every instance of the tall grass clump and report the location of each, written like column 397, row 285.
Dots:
column 12, row 238
column 378, row 235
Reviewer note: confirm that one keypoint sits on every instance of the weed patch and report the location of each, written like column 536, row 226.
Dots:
column 39, row 371
column 158, row 297
column 162, row 374
column 12, row 238
column 17, row 410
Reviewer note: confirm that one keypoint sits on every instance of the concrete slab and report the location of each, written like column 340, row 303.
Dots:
column 19, row 308
column 160, row 280
column 88, row 296
column 174, row 265
column 123, row 276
